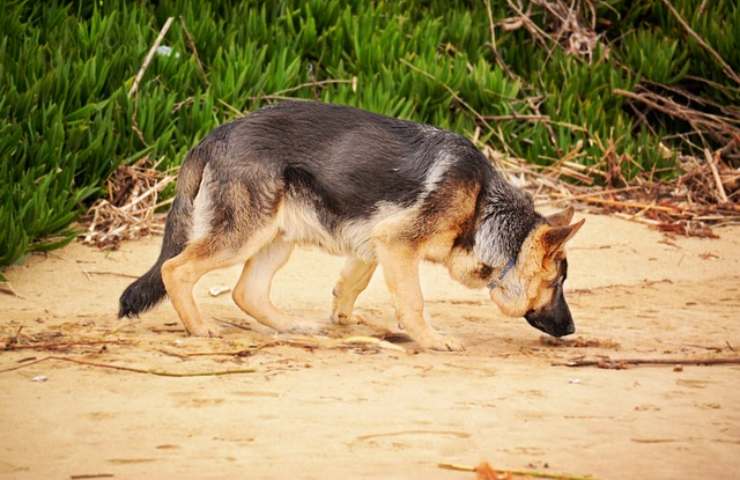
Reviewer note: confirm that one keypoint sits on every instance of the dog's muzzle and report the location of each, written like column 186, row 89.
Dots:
column 554, row 319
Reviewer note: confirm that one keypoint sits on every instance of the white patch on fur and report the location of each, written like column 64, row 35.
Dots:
column 202, row 209
column 436, row 173
column 299, row 223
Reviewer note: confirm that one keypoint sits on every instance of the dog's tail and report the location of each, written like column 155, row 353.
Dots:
column 148, row 290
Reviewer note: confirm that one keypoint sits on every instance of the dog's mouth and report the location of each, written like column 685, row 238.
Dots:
column 549, row 327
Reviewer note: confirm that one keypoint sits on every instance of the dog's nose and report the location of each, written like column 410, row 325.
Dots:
column 570, row 328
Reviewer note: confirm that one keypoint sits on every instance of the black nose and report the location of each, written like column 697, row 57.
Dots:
column 550, row 327
column 554, row 319
column 569, row 329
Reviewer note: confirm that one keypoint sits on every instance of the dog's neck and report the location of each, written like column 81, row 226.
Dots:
column 505, row 217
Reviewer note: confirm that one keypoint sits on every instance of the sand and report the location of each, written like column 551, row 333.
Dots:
column 358, row 413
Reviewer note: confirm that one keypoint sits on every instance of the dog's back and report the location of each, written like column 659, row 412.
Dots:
column 342, row 169
column 356, row 158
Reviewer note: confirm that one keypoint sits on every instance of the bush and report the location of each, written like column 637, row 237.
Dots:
column 66, row 69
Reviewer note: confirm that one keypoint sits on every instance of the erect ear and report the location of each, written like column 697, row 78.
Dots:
column 560, row 219
column 553, row 238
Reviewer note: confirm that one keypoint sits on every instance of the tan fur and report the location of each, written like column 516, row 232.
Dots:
column 252, row 291
column 400, row 256
column 354, row 278
column 181, row 273
column 528, row 288
column 401, row 270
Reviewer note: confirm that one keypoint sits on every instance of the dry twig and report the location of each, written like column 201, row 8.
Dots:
column 149, row 56
column 147, row 371
column 128, row 211
column 193, row 48
column 522, row 473
column 727, row 68
column 62, row 345
column 621, row 363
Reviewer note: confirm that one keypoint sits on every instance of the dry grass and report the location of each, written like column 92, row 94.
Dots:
column 128, row 211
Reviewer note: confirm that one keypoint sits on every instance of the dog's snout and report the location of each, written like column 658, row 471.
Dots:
column 555, row 319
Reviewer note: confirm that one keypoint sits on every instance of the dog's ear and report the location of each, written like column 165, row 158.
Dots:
column 560, row 219
column 553, row 238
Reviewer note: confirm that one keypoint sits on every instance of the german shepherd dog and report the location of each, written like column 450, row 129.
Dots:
column 375, row 189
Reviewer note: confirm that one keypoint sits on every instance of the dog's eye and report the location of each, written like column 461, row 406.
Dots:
column 484, row 271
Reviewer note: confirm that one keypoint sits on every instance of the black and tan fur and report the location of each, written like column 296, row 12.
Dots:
column 374, row 189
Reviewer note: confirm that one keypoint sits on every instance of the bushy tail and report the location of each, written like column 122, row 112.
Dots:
column 148, row 290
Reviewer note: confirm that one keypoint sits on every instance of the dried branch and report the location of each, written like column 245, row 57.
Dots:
column 525, row 473
column 494, row 49
column 723, row 128
column 147, row 371
column 727, row 68
column 191, row 45
column 149, row 56
column 622, row 363
column 128, row 211
column 711, row 162
column 62, row 345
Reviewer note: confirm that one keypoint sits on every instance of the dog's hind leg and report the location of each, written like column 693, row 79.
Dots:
column 252, row 291
column 354, row 278
column 181, row 273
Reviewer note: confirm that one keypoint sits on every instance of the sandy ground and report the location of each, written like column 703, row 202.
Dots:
column 358, row 413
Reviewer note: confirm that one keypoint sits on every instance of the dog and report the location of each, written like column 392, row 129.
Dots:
column 378, row 190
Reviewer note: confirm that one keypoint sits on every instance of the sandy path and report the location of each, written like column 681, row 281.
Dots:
column 353, row 414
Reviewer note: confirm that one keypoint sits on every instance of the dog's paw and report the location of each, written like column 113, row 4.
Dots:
column 441, row 343
column 344, row 319
column 206, row 330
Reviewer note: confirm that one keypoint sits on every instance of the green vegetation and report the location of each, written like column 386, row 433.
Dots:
column 66, row 69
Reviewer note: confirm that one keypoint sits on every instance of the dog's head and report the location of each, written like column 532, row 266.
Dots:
column 533, row 285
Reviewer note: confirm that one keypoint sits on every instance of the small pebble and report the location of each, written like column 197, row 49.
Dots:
column 40, row 378
column 574, row 381
column 678, row 368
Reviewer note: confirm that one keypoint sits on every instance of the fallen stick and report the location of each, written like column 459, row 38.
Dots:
column 621, row 362
column 115, row 274
column 363, row 340
column 347, row 342
column 7, row 289
column 149, row 56
column 717, row 180
column 528, row 473
column 86, row 476
column 159, row 373
column 628, row 204
column 61, row 345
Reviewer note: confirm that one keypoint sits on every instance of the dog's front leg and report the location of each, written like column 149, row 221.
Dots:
column 401, row 269
column 353, row 280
